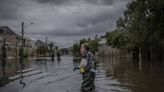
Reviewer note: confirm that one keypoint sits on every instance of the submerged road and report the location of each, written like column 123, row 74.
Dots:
column 58, row 76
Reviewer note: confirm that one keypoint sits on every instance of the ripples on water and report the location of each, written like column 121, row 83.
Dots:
column 114, row 75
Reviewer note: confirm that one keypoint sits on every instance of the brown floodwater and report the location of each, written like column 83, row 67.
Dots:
column 114, row 74
column 136, row 76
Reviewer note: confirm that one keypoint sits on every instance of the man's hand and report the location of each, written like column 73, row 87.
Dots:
column 76, row 67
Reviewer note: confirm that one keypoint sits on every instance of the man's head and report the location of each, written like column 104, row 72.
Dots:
column 84, row 48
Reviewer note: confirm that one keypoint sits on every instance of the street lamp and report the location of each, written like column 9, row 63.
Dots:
column 29, row 25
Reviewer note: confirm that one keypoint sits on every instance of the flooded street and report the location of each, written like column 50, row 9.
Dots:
column 114, row 75
column 82, row 45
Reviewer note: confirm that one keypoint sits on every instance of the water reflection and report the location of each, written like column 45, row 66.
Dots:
column 116, row 74
column 21, row 80
column 22, row 66
column 3, row 59
column 137, row 75
column 58, row 59
column 3, row 64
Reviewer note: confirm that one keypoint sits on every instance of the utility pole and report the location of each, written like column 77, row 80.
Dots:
column 22, row 31
column 46, row 40
column 21, row 54
column 46, row 46
column 22, row 45
column 3, row 53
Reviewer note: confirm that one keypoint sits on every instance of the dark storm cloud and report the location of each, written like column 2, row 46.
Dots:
column 63, row 21
column 103, row 2
column 57, row 2
column 83, row 26
column 9, row 9
column 83, row 22
column 63, row 2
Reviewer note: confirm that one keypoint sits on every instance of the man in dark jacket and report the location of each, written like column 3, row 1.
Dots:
column 88, row 70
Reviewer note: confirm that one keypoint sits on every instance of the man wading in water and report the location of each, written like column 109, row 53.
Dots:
column 87, row 68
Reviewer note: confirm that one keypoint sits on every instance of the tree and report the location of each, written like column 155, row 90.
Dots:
column 94, row 45
column 41, row 50
column 51, row 45
column 76, row 49
column 141, row 27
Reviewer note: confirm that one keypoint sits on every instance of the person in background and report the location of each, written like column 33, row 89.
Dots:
column 58, row 56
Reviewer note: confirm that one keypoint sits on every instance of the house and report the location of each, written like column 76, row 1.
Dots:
column 13, row 40
column 10, row 36
column 40, row 43
column 41, row 48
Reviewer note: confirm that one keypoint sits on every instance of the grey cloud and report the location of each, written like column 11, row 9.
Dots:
column 95, row 28
column 92, row 23
column 63, row 2
column 9, row 9
column 64, row 24
column 103, row 2
column 96, row 19
column 57, row 2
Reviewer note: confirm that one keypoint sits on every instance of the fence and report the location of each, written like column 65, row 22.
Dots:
column 113, row 54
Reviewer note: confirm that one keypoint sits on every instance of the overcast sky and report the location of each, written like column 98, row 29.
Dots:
column 62, row 21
